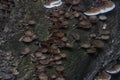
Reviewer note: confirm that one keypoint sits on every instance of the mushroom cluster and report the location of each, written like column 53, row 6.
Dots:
column 50, row 55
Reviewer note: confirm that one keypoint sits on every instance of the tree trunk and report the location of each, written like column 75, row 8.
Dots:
column 78, row 66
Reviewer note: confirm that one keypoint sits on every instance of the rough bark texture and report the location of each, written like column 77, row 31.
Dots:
column 79, row 65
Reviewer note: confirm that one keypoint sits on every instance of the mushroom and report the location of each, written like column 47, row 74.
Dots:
column 60, row 78
column 26, row 50
column 53, row 3
column 92, row 35
column 31, row 22
column 104, row 31
column 58, row 62
column 60, row 68
column 53, row 75
column 28, row 33
column 101, row 7
column 75, row 2
column 91, row 50
column 84, row 24
column 40, row 68
column 38, row 54
column 57, row 57
column 115, row 69
column 64, row 39
column 98, row 43
column 105, row 37
column 63, row 55
column 103, row 76
column 43, row 76
column 85, row 44
column 45, row 61
column 93, row 19
column 102, row 17
column 26, row 39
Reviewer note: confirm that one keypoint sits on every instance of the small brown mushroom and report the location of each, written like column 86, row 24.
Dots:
column 60, row 78
column 43, row 76
column 45, row 61
column 55, row 14
column 38, row 54
column 67, row 15
column 40, row 68
column 104, row 31
column 84, row 24
column 60, row 68
column 58, row 62
column 63, row 55
column 98, row 43
column 91, row 50
column 76, row 14
column 75, row 2
column 92, row 35
column 53, row 75
column 93, row 19
column 26, row 50
column 26, row 39
column 64, row 39
column 29, row 33
column 57, row 57
column 85, row 44
column 31, row 22
column 68, row 45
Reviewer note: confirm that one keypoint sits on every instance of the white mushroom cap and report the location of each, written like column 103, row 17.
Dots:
column 114, row 70
column 54, row 4
column 110, row 6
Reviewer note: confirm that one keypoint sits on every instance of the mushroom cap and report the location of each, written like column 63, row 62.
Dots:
column 26, row 50
column 57, row 57
column 29, row 33
column 98, row 43
column 85, row 44
column 53, row 75
column 58, row 62
column 38, row 54
column 75, row 2
column 27, row 39
column 102, row 17
column 103, row 76
column 45, row 61
column 91, row 50
column 104, row 31
column 84, row 24
column 60, row 68
column 43, row 76
column 108, row 6
column 53, row 3
column 63, row 55
column 64, row 39
column 31, row 22
column 105, row 37
column 60, row 78
column 115, row 69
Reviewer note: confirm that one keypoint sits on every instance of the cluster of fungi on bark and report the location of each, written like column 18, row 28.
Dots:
column 50, row 55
